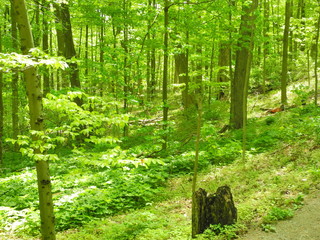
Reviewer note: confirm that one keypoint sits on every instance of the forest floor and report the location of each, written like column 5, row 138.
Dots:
column 279, row 179
column 305, row 223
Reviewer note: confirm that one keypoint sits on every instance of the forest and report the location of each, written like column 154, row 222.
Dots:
column 114, row 113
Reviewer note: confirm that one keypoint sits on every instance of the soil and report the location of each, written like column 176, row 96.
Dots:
column 305, row 224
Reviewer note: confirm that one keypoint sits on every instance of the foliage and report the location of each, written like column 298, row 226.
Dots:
column 277, row 214
column 17, row 62
column 227, row 232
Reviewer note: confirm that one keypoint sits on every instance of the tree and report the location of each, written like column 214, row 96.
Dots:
column 66, row 44
column 45, row 45
column 125, row 62
column 165, row 73
column 284, row 71
column 34, row 96
column 1, row 106
column 15, row 81
column 239, row 84
column 316, row 58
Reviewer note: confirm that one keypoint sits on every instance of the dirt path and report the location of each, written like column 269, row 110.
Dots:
column 305, row 225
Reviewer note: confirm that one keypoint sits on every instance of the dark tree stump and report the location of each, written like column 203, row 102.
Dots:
column 217, row 208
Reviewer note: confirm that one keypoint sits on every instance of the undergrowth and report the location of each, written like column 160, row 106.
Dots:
column 133, row 191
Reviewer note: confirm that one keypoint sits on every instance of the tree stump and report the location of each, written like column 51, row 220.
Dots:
column 217, row 208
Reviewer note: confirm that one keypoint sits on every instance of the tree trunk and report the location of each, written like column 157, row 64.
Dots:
column 165, row 75
column 265, row 44
column 316, row 62
column 101, row 60
column 69, row 50
column 36, row 121
column 239, row 85
column 45, row 46
column 153, row 81
column 284, row 71
column 125, row 66
column 213, row 209
column 211, row 72
column 1, row 107
column 60, row 42
column 86, row 51
column 181, row 73
column 14, row 82
column 224, row 54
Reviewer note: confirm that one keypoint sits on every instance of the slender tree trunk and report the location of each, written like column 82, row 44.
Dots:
column 60, row 42
column 153, row 81
column 308, row 67
column 1, row 107
column 36, row 28
column 101, row 55
column 316, row 61
column 195, row 229
column 211, row 72
column 86, row 52
column 36, row 121
column 14, row 82
column 45, row 46
column 148, row 76
column 125, row 65
column 165, row 75
column 265, row 44
column 284, row 71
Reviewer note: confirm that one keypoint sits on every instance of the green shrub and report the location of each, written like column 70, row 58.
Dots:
column 277, row 214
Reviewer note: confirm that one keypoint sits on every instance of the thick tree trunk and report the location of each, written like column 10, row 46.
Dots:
column 239, row 84
column 69, row 50
column 36, row 121
column 223, row 65
column 181, row 74
column 213, row 209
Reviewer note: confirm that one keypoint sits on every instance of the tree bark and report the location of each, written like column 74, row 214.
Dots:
column 14, row 82
column 224, row 54
column 165, row 75
column 181, row 73
column 45, row 46
column 1, row 107
column 36, row 121
column 125, row 65
column 284, row 70
column 213, row 209
column 239, row 84
column 69, row 49
column 153, row 81
column 316, row 61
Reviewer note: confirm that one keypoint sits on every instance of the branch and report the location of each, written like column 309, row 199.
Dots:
column 145, row 36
